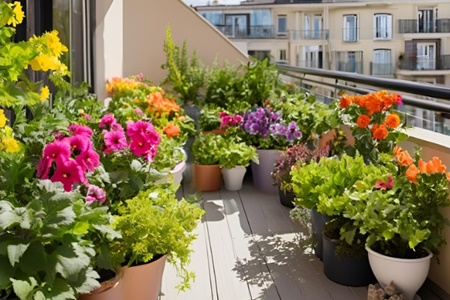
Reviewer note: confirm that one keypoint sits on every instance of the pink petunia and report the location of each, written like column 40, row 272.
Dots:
column 151, row 153
column 139, row 146
column 385, row 185
column 95, row 194
column 115, row 140
column 57, row 151
column 88, row 160
column 107, row 120
column 43, row 168
column 68, row 173
column 83, row 130
column 78, row 144
column 153, row 137
column 138, row 128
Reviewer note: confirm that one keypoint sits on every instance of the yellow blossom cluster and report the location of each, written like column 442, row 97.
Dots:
column 7, row 141
column 18, row 14
column 50, row 49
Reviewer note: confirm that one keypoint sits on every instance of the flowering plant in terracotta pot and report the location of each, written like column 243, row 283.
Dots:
column 374, row 124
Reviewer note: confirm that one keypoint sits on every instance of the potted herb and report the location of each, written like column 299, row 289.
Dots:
column 155, row 226
column 400, row 211
column 206, row 150
column 294, row 155
column 234, row 158
column 209, row 121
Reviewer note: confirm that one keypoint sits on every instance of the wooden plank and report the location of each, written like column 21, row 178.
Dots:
column 250, row 263
column 229, row 285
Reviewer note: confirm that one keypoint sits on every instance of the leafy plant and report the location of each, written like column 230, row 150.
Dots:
column 155, row 223
column 400, row 209
column 51, row 242
column 206, row 149
column 186, row 75
column 210, row 118
column 237, row 154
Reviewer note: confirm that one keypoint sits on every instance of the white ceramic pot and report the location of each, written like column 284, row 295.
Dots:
column 176, row 174
column 233, row 178
column 408, row 275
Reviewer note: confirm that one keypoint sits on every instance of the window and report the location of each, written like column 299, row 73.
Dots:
column 382, row 25
column 282, row 56
column 237, row 25
column 310, row 56
column 350, row 28
column 426, row 56
column 426, row 19
column 349, row 61
column 259, row 54
column 382, row 62
column 282, row 24
column 313, row 27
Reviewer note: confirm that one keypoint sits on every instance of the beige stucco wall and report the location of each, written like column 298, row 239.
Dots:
column 145, row 24
column 129, row 37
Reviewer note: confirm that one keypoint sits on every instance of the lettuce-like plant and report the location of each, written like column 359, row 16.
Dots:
column 237, row 154
column 206, row 149
column 155, row 223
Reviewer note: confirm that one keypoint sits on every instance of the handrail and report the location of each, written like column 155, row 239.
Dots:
column 411, row 87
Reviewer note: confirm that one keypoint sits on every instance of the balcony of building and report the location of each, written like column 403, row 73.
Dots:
column 440, row 63
column 382, row 69
column 419, row 26
column 249, row 32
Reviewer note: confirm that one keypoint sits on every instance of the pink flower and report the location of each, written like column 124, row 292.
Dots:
column 107, row 120
column 95, row 194
column 87, row 116
column 88, row 160
column 139, row 111
column 115, row 140
column 139, row 145
column 138, row 128
column 83, row 130
column 57, row 151
column 389, row 184
column 43, row 167
column 152, row 137
column 151, row 153
column 78, row 144
column 68, row 173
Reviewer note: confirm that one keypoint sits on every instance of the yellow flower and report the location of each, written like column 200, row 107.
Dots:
column 18, row 14
column 2, row 119
column 54, row 44
column 45, row 92
column 11, row 145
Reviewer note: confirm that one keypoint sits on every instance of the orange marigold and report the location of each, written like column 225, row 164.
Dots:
column 403, row 157
column 379, row 132
column 363, row 121
column 393, row 121
column 345, row 101
column 411, row 173
column 171, row 130
column 433, row 166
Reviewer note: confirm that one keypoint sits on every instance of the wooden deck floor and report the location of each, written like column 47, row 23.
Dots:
column 249, row 248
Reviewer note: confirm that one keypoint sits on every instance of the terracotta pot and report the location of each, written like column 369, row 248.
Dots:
column 111, row 289
column 207, row 177
column 215, row 131
column 143, row 282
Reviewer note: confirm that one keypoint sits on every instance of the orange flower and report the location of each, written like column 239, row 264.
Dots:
column 171, row 130
column 403, row 157
column 397, row 150
column 448, row 175
column 379, row 132
column 345, row 101
column 393, row 121
column 411, row 173
column 433, row 166
column 182, row 118
column 363, row 121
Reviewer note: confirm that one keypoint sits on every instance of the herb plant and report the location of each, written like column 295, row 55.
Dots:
column 237, row 154
column 206, row 149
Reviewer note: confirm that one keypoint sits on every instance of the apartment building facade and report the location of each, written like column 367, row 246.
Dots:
column 403, row 39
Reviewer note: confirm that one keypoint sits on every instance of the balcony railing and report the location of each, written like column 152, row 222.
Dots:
column 356, row 34
column 251, row 32
column 353, row 67
column 442, row 62
column 415, row 26
column 309, row 34
column 383, row 70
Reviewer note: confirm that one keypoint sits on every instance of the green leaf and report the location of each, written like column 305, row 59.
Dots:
column 135, row 165
column 15, row 251
column 80, row 228
column 70, row 260
column 24, row 288
column 34, row 259
column 7, row 271
column 59, row 290
column 8, row 216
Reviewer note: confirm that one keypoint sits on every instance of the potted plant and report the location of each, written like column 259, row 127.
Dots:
column 206, row 150
column 210, row 120
column 155, row 227
column 298, row 155
column 234, row 158
column 400, row 213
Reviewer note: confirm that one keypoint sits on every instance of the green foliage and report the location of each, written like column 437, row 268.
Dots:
column 186, row 75
column 210, row 118
column 170, row 153
column 50, row 242
column 237, row 154
column 206, row 149
column 155, row 223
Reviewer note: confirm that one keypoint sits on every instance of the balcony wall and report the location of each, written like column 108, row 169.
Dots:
column 414, row 26
column 129, row 38
column 418, row 64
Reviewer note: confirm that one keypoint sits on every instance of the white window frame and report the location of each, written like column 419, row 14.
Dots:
column 382, row 26
column 382, row 56
column 350, row 33
column 282, row 55
column 279, row 19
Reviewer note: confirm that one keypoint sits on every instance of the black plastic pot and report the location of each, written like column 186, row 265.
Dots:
column 286, row 198
column 345, row 269
column 318, row 220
